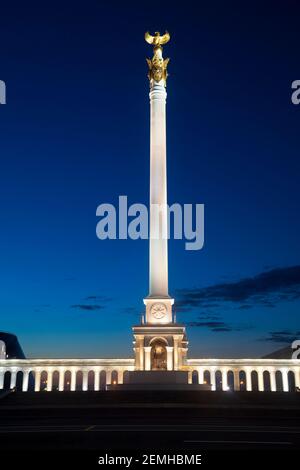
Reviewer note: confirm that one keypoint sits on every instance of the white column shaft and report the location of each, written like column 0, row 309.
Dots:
column 61, row 382
column 37, row 381
column 213, row 379
column 120, row 376
column 248, row 380
column 13, row 379
column 49, row 381
column 141, row 353
column 85, row 380
column 25, row 381
column 175, row 354
column 201, row 375
column 260, row 380
column 297, row 378
column 158, row 282
column 2, row 372
column 224, row 380
column 147, row 350
column 285, row 381
column 169, row 357
column 273, row 381
column 97, row 380
column 73, row 380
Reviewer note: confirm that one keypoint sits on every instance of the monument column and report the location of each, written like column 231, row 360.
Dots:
column 158, row 303
column 158, row 243
column 158, row 327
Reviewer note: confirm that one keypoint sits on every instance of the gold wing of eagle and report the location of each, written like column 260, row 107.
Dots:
column 157, row 39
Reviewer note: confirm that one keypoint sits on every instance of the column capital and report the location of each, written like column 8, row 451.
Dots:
column 158, row 92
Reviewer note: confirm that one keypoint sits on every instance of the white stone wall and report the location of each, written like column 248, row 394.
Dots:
column 84, row 374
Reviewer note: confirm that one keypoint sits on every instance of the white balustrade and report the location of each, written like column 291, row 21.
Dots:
column 12, row 370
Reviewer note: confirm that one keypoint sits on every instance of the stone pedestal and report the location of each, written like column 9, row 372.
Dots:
column 158, row 380
column 170, row 337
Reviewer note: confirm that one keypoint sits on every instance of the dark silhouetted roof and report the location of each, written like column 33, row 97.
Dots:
column 13, row 348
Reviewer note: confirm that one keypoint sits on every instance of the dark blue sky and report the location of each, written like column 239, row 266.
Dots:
column 75, row 133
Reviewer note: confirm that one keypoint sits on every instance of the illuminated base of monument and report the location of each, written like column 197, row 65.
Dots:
column 158, row 380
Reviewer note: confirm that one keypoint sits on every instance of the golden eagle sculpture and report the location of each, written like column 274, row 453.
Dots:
column 157, row 39
column 157, row 65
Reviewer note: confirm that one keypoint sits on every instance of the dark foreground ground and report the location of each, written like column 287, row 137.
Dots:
column 133, row 422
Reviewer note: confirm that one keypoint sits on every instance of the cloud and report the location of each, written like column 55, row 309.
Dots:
column 218, row 326
column 87, row 307
column 98, row 297
column 208, row 316
column 210, row 305
column 266, row 288
column 283, row 336
column 89, row 303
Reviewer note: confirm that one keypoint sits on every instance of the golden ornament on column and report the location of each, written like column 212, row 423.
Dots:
column 157, row 65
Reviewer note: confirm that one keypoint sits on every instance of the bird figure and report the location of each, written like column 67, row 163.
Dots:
column 157, row 39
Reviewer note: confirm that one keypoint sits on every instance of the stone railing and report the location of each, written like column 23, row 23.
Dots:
column 246, row 374
column 62, row 374
column 94, row 374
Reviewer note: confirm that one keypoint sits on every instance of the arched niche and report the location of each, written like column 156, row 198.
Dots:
column 158, row 354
